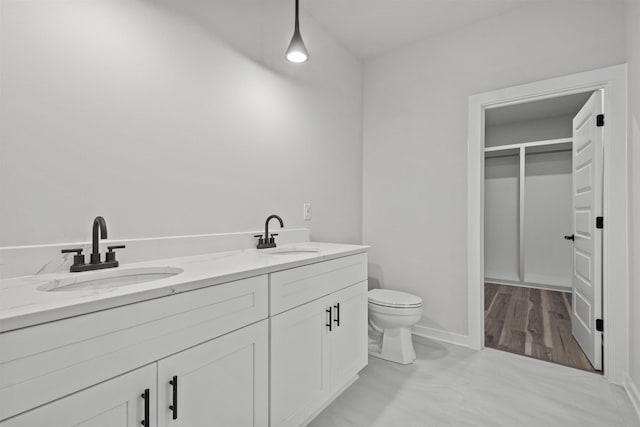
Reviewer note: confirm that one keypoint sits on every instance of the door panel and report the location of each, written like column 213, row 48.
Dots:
column 299, row 363
column 114, row 403
column 349, row 339
column 587, row 205
column 222, row 382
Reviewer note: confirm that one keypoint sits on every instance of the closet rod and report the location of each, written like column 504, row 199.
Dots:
column 498, row 155
column 560, row 150
column 528, row 144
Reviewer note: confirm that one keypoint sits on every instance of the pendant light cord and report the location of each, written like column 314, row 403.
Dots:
column 297, row 29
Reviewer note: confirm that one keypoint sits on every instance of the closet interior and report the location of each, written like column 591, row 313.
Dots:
column 528, row 181
column 528, row 261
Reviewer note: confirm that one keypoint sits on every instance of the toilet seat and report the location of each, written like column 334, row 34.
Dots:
column 393, row 299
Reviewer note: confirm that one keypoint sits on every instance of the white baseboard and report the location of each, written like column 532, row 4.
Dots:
column 633, row 393
column 440, row 335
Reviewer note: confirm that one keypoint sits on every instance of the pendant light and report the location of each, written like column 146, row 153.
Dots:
column 296, row 52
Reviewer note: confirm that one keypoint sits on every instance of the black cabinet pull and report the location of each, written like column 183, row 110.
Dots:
column 337, row 319
column 328, row 310
column 174, row 407
column 572, row 237
column 145, row 422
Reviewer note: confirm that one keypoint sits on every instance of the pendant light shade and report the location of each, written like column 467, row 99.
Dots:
column 297, row 52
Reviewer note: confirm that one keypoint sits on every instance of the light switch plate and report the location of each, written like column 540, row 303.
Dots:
column 306, row 208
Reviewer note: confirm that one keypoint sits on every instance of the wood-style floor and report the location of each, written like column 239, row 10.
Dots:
column 532, row 322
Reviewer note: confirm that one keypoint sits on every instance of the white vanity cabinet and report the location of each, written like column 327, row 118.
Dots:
column 200, row 336
column 120, row 402
column 220, row 382
column 318, row 347
column 269, row 350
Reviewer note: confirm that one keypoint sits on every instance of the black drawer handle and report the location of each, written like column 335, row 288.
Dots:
column 572, row 237
column 328, row 310
column 337, row 319
column 145, row 396
column 174, row 407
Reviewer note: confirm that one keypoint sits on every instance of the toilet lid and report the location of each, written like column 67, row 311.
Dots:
column 389, row 298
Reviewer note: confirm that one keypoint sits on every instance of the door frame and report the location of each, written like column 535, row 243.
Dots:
column 615, row 262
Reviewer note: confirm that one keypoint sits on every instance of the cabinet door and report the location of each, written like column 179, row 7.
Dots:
column 299, row 363
column 114, row 403
column 222, row 382
column 348, row 341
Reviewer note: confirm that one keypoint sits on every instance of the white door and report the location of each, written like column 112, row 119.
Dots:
column 587, row 206
column 348, row 340
column 300, row 382
column 115, row 403
column 222, row 382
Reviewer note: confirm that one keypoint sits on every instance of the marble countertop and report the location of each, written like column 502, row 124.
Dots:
column 23, row 304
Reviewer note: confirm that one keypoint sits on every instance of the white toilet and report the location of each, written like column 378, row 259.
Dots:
column 391, row 316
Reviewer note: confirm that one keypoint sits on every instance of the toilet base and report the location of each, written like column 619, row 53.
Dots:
column 396, row 346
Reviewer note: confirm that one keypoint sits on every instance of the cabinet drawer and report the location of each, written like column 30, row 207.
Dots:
column 291, row 288
column 45, row 362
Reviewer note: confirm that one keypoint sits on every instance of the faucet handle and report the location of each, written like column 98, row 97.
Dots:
column 111, row 255
column 260, row 238
column 78, row 251
column 78, row 258
column 272, row 238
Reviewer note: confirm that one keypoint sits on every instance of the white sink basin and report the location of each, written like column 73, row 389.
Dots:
column 108, row 279
column 292, row 250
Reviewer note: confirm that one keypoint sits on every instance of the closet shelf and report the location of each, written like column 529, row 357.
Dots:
column 551, row 144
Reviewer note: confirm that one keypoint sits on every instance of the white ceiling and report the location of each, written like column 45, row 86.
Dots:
column 542, row 109
column 371, row 27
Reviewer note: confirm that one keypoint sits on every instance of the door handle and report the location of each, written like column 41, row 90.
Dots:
column 328, row 310
column 145, row 397
column 337, row 319
column 174, row 407
column 572, row 237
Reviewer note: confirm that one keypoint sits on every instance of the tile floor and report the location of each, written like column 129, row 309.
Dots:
column 450, row 385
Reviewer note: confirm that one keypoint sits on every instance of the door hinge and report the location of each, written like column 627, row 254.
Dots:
column 599, row 325
column 599, row 222
column 600, row 120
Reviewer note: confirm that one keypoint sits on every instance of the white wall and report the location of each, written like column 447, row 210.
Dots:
column 528, row 131
column 633, row 73
column 173, row 118
column 415, row 119
column 502, row 218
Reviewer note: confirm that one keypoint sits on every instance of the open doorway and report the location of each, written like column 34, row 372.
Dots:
column 542, row 244
column 615, row 265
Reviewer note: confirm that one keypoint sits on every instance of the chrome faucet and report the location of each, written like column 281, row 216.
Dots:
column 268, row 241
column 99, row 233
